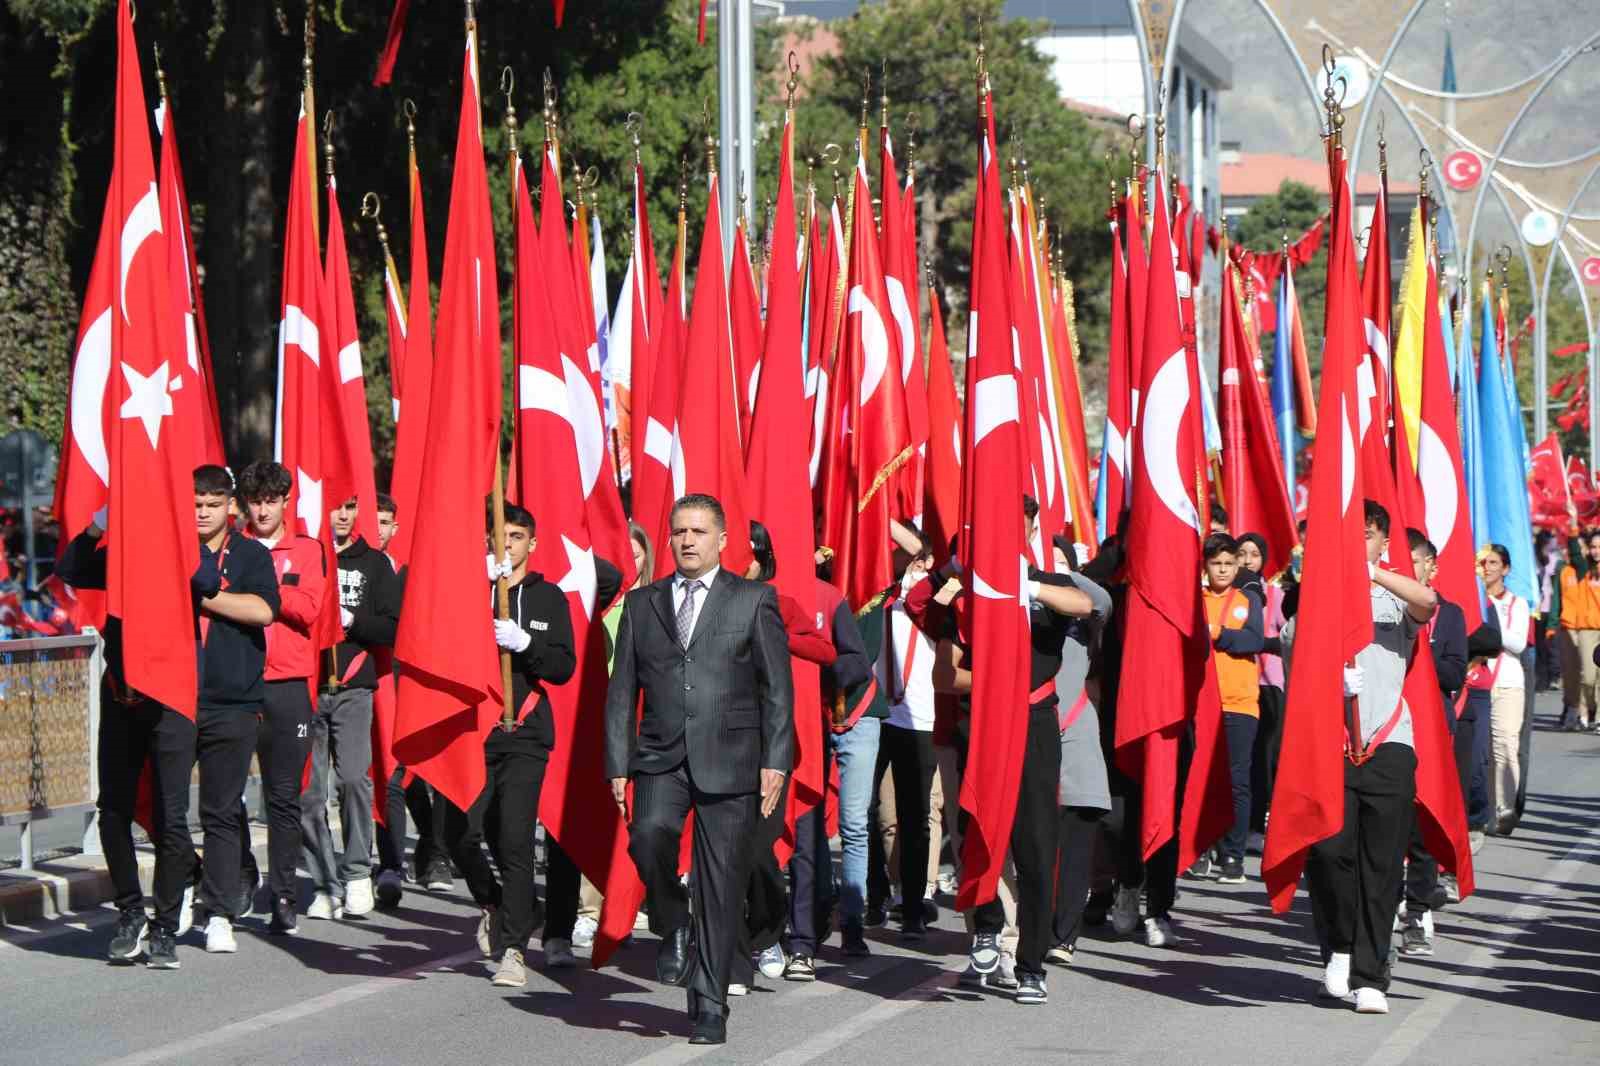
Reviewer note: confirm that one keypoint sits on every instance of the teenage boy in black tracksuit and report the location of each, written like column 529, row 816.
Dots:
column 538, row 636
column 235, row 595
column 341, row 730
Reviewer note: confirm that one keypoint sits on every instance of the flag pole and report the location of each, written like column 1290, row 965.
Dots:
column 309, row 104
column 502, row 587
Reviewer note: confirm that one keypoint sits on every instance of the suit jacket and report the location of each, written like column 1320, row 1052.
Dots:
column 1449, row 643
column 724, row 704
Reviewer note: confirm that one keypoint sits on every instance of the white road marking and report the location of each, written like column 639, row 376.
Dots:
column 317, row 1005
column 1420, row 1026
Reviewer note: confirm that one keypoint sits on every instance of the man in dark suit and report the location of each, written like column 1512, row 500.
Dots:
column 707, row 649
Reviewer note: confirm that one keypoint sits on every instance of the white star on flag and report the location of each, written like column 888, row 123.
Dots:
column 148, row 399
column 580, row 577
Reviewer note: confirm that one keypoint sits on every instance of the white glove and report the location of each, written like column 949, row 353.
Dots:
column 510, row 636
column 1355, row 680
column 345, row 617
column 500, row 569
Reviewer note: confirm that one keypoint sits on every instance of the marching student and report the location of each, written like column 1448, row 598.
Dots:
column 1355, row 875
column 283, row 739
column 1447, row 640
column 1234, row 618
column 1579, row 594
column 538, row 635
column 388, row 513
column 341, row 729
column 1507, row 699
column 1084, row 794
column 1253, row 560
column 235, row 597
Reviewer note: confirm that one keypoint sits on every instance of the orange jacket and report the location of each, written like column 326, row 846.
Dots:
column 1580, row 599
column 1235, row 621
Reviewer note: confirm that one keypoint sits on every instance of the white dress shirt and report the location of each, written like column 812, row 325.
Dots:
column 680, row 585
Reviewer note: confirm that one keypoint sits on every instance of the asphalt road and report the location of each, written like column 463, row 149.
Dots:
column 1516, row 978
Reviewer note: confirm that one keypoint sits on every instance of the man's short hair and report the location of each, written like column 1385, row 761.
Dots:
column 1374, row 514
column 263, row 480
column 1219, row 544
column 386, row 505
column 518, row 516
column 1418, row 541
column 704, row 501
column 1030, row 507
column 1219, row 515
column 212, row 480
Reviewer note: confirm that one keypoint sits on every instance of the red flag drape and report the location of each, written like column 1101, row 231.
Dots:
column 658, row 479
column 449, row 695
column 993, row 548
column 413, row 399
column 780, row 489
column 707, row 432
column 345, row 376
column 135, row 334
column 1252, row 471
column 942, row 507
column 744, row 312
column 1116, row 485
column 1334, row 621
column 391, row 43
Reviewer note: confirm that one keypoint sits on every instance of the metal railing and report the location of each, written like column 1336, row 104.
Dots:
column 49, row 730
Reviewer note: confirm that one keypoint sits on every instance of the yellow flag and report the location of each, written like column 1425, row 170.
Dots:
column 1408, row 346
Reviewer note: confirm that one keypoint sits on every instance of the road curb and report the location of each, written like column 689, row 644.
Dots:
column 60, row 888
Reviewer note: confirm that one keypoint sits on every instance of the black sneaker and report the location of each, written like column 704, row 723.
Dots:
column 913, row 929
column 127, row 943
column 985, row 954
column 249, row 884
column 874, row 916
column 1099, row 905
column 1201, row 870
column 853, row 941
column 285, row 920
column 1232, row 872
column 438, row 877
column 1030, row 988
column 930, row 911
column 1416, row 940
column 163, row 953
column 800, row 968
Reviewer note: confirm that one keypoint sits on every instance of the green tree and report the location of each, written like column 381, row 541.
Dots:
column 1290, row 211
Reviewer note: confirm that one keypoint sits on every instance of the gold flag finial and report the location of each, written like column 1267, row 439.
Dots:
column 633, row 124
column 508, row 85
column 832, row 154
column 793, row 84
column 549, row 108
column 866, row 94
column 1426, row 159
column 161, row 75
column 372, row 207
column 408, row 108
column 327, row 144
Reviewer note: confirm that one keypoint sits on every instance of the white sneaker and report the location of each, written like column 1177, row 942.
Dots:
column 583, row 932
column 1125, row 911
column 1475, row 840
column 511, row 972
column 1336, row 976
column 219, row 936
column 1157, row 932
column 485, row 933
column 358, row 897
column 737, row 989
column 1371, row 1001
column 771, row 962
column 1005, row 975
column 186, row 911
column 1452, row 889
column 324, row 905
column 558, row 954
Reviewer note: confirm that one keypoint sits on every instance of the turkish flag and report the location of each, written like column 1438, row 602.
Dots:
column 1071, row 431
column 353, row 477
column 1114, row 491
column 658, row 477
column 1138, row 262
column 993, row 547
column 1164, row 613
column 554, row 398
column 1252, row 469
column 707, row 430
column 151, row 545
column 900, row 274
column 449, row 695
column 198, row 407
column 1376, row 297
column 867, row 437
column 779, row 480
column 1334, row 621
column 415, row 386
column 744, row 311
column 574, row 322
column 394, row 307
column 1038, row 428
column 827, row 307
column 633, row 334
column 942, row 508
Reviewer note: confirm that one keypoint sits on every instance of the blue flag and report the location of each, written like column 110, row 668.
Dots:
column 1505, row 483
column 1283, row 386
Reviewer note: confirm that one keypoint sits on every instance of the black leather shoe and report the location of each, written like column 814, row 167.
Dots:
column 673, row 959
column 710, row 1029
